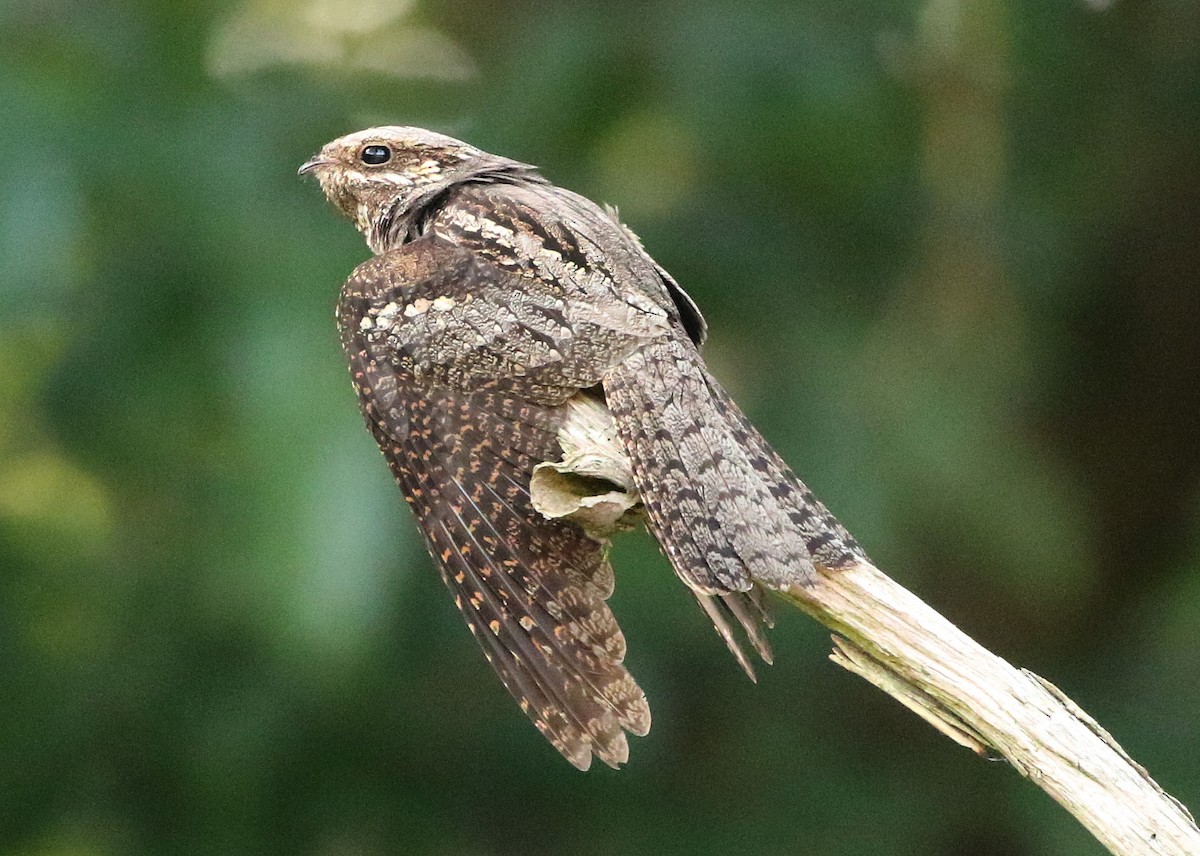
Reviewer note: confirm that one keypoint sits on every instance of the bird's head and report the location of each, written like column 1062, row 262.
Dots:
column 380, row 176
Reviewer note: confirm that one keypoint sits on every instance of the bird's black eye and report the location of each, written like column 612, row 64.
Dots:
column 375, row 155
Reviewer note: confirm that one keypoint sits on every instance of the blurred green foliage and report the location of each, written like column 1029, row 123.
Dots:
column 948, row 251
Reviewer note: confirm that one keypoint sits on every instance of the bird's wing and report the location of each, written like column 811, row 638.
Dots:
column 550, row 245
column 462, row 437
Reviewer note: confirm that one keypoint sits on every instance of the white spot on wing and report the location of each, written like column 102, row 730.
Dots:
column 418, row 307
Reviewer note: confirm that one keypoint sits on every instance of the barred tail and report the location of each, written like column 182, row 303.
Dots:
column 729, row 513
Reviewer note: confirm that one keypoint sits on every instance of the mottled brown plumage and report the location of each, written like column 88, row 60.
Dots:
column 493, row 299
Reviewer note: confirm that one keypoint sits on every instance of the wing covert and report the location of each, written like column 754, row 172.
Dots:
column 463, row 448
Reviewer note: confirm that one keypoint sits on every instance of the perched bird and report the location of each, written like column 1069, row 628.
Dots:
column 496, row 309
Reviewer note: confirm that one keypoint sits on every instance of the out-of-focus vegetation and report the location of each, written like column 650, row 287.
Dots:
column 948, row 251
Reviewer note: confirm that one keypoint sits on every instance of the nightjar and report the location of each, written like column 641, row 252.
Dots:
column 498, row 308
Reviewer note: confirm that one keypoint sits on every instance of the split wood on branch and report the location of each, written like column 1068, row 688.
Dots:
column 893, row 639
column 504, row 320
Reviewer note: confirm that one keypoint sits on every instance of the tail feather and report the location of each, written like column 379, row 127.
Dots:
column 750, row 611
column 729, row 513
column 828, row 542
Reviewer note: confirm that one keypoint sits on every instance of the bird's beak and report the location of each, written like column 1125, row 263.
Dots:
column 311, row 164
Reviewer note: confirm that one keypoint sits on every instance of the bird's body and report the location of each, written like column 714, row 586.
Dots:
column 495, row 301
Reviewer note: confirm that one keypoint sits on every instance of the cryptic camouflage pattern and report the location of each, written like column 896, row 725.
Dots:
column 493, row 298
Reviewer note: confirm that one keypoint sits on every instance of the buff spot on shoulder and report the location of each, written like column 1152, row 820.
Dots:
column 418, row 307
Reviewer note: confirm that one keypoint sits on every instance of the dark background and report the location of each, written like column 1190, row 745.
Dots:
column 948, row 253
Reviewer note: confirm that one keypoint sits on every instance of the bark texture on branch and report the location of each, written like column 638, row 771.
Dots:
column 893, row 639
